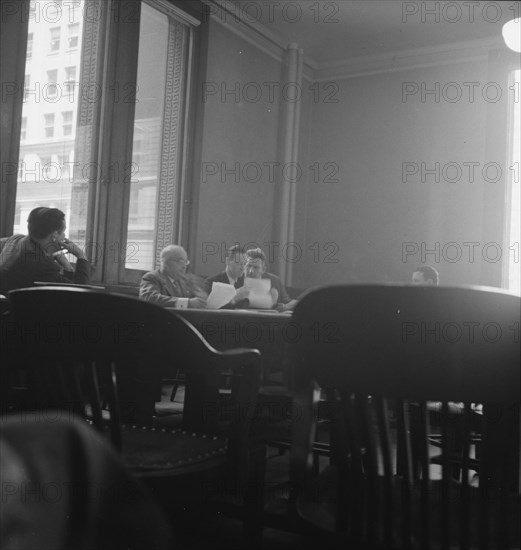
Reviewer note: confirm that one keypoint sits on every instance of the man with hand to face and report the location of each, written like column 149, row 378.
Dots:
column 40, row 255
column 169, row 285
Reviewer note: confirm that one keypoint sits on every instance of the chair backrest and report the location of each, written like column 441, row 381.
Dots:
column 409, row 349
column 75, row 344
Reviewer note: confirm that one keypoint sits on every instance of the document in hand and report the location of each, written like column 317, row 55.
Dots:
column 260, row 297
column 220, row 295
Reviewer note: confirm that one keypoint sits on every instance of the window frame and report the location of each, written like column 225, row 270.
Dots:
column 49, row 123
column 52, row 41
column 69, row 123
column 72, row 35
column 112, row 138
column 117, row 136
column 181, row 211
column 512, row 172
column 30, row 42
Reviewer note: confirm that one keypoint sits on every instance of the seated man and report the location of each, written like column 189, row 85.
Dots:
column 39, row 256
column 169, row 285
column 232, row 275
column 256, row 269
column 425, row 276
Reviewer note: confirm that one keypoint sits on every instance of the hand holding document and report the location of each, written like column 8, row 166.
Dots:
column 260, row 295
column 257, row 291
column 220, row 295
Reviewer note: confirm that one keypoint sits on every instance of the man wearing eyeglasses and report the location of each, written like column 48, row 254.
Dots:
column 170, row 285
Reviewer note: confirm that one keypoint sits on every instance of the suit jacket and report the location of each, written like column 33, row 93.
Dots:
column 281, row 289
column 157, row 288
column 23, row 261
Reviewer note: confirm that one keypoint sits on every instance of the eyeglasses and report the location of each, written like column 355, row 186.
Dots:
column 184, row 261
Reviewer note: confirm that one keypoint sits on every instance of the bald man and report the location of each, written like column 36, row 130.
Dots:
column 169, row 285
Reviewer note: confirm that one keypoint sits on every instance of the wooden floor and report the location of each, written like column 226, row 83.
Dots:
column 203, row 530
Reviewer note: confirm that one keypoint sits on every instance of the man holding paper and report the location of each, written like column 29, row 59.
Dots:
column 266, row 289
column 234, row 271
column 227, row 289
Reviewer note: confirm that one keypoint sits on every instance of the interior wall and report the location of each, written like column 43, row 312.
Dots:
column 240, row 140
column 388, row 214
column 391, row 178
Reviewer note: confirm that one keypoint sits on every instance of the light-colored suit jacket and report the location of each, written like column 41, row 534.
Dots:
column 157, row 288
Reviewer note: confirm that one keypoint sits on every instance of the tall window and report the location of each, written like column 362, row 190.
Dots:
column 67, row 123
column 73, row 38
column 157, row 153
column 52, row 87
column 70, row 74
column 55, row 38
column 23, row 135
column 49, row 125
column 78, row 114
column 29, row 46
column 514, row 271
column 27, row 86
column 46, row 136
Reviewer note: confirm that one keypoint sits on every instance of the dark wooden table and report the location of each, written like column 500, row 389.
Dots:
column 267, row 331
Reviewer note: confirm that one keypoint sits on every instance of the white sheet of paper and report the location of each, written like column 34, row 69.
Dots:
column 260, row 297
column 258, row 286
column 261, row 301
column 220, row 295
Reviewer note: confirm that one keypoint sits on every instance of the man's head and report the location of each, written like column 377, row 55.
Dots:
column 174, row 261
column 425, row 276
column 235, row 261
column 46, row 224
column 255, row 263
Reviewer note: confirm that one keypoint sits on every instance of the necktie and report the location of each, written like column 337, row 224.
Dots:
column 177, row 289
column 180, row 290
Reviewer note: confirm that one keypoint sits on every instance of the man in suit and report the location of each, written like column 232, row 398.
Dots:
column 425, row 276
column 256, row 268
column 232, row 275
column 234, row 271
column 169, row 285
column 40, row 255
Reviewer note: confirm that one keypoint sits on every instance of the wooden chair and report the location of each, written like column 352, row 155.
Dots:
column 378, row 349
column 76, row 346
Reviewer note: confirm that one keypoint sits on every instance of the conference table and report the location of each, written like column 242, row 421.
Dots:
column 266, row 330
